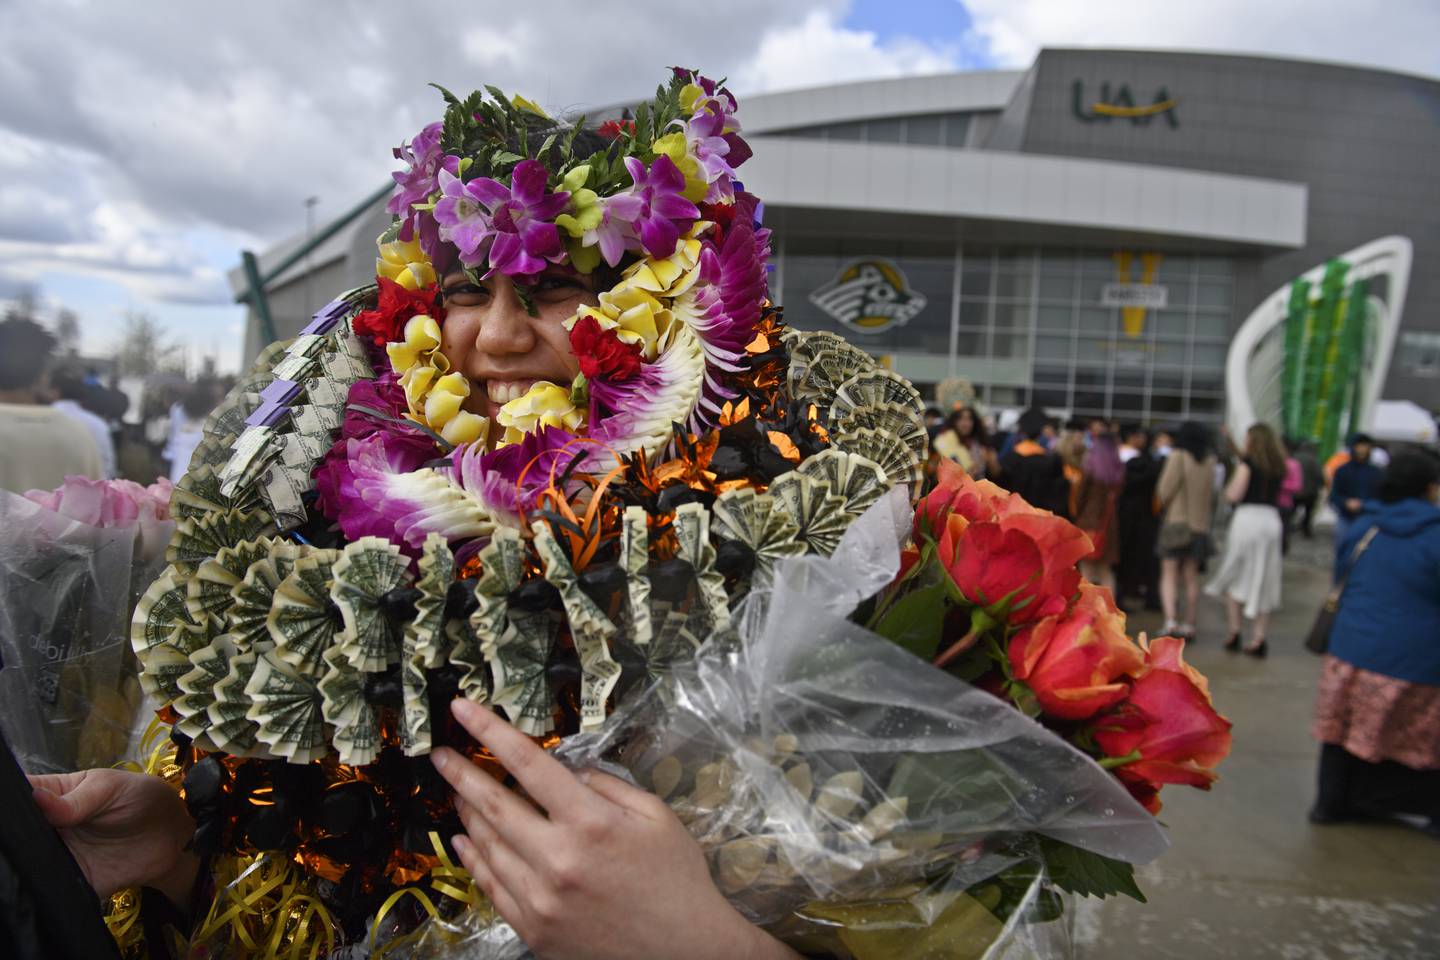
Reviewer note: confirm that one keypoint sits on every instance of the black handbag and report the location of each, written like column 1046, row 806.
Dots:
column 1318, row 640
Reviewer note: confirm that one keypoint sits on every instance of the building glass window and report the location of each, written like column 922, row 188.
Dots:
column 1052, row 375
column 1212, row 293
column 977, row 277
column 1049, row 317
column 1420, row 353
column 1169, row 354
column 951, row 130
column 1171, row 323
column 974, row 313
column 1212, row 326
column 957, row 129
column 1052, row 396
column 1097, row 320
column 1208, row 355
column 1031, row 324
column 1014, row 285
column 887, row 130
column 1053, row 348
column 1012, row 316
column 1054, row 287
column 1093, row 350
column 1167, row 380
column 924, row 131
column 1014, row 346
column 1092, row 286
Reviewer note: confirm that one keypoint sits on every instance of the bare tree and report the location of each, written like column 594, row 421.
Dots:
column 23, row 307
column 67, row 330
column 144, row 350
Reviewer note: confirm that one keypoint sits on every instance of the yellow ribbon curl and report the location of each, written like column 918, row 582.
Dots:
column 268, row 909
column 446, row 878
column 267, row 912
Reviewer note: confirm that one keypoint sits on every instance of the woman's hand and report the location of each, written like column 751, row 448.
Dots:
column 124, row 829
column 610, row 873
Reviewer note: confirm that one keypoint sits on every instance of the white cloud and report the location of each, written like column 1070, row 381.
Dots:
column 819, row 50
column 1394, row 34
column 144, row 144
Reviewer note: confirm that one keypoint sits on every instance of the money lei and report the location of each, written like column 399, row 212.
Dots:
column 589, row 628
column 209, row 592
column 424, row 632
column 286, row 709
column 676, row 638
column 635, row 555
column 210, row 665
column 343, row 705
column 415, row 713
column 231, row 729
column 855, row 479
column 514, row 643
column 755, row 520
column 818, row 513
column 367, row 570
column 692, row 530
column 300, row 621
column 422, row 647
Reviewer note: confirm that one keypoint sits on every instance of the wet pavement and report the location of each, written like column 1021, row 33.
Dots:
column 1248, row 876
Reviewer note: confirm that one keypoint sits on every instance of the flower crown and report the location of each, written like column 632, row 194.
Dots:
column 500, row 187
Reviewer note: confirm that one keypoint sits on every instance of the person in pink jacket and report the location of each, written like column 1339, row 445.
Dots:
column 1290, row 488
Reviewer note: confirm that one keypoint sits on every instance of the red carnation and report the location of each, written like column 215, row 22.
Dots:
column 611, row 129
column 602, row 354
column 720, row 214
column 396, row 305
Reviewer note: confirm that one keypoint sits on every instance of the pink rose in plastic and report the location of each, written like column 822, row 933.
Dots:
column 107, row 503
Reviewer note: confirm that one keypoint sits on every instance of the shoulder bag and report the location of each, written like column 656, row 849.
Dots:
column 1318, row 640
column 1175, row 536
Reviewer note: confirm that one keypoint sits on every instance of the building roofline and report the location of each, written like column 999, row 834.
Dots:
column 1012, row 74
column 1248, row 55
column 987, row 185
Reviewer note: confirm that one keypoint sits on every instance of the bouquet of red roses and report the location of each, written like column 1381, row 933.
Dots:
column 991, row 593
column 857, row 803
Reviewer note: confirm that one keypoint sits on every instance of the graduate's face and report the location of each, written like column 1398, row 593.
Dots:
column 499, row 347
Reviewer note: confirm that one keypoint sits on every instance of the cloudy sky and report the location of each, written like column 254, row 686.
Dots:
column 142, row 145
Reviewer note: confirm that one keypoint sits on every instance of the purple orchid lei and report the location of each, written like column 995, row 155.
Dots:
column 510, row 226
column 496, row 211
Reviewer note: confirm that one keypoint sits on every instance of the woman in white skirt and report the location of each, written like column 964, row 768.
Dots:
column 1249, row 574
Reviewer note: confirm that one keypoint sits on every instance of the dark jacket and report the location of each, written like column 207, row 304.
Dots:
column 1354, row 481
column 1312, row 475
column 47, row 909
column 1036, row 475
column 1389, row 618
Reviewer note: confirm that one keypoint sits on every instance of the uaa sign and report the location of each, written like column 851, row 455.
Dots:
column 869, row 296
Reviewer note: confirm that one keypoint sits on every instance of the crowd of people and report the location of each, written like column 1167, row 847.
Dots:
column 1150, row 499
column 60, row 419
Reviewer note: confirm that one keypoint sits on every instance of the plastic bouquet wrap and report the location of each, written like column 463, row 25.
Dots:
column 73, row 562
column 681, row 561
